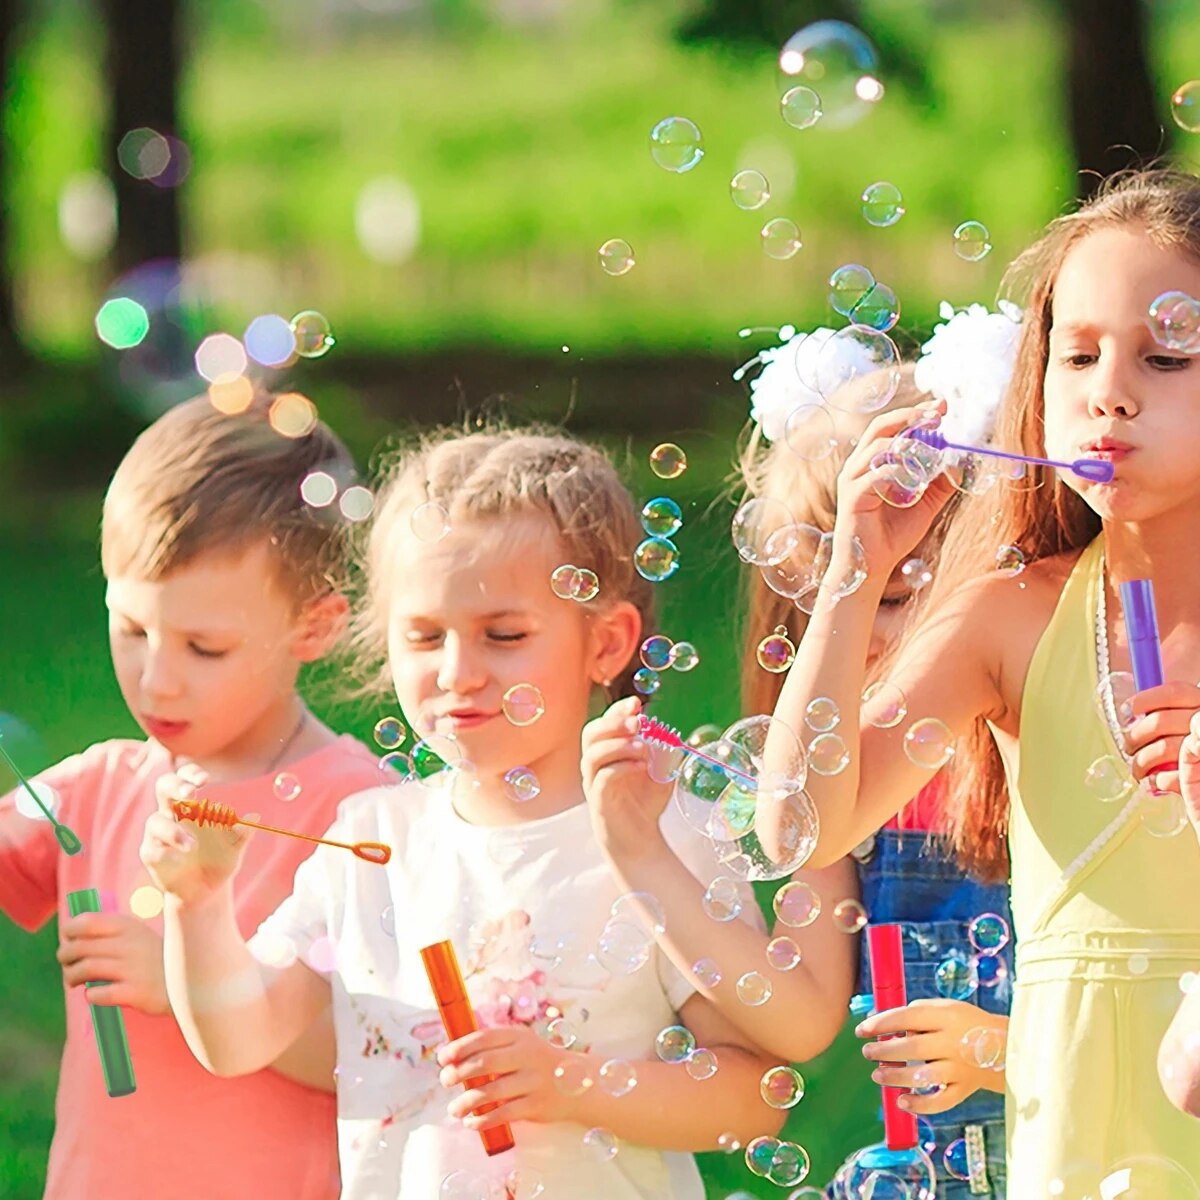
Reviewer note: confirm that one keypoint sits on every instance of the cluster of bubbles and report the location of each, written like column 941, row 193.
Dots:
column 569, row 582
column 1174, row 320
column 779, row 1162
column 901, row 474
column 659, row 653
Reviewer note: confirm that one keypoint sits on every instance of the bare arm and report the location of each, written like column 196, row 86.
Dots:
column 312, row 1058
column 1179, row 1056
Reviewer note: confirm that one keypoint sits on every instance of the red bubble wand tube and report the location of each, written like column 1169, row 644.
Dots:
column 204, row 812
column 885, row 945
column 656, row 731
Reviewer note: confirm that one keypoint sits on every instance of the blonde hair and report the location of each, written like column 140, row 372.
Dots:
column 199, row 480
column 496, row 473
column 1045, row 518
column 807, row 485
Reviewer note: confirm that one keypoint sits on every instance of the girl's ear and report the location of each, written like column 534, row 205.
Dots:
column 319, row 626
column 616, row 632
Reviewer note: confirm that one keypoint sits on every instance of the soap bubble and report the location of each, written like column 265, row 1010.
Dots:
column 955, row 977
column 1121, row 686
column 848, row 285
column 399, row 762
column 972, row 474
column 523, row 704
column 668, row 461
column 1108, row 779
column 849, row 916
column 563, row 581
column 879, row 309
column 435, row 759
column 828, row 754
column 929, row 743
column 783, row 954
column 624, row 947
column 723, row 899
column 864, row 357
column 429, row 521
column 676, row 144
column 887, row 704
column 706, row 972
column 646, row 682
column 286, row 786
column 760, row 1153
column 728, row 1142
column 390, row 732
column 822, row 714
column 1147, row 1177
column 684, row 657
column 882, row 204
column 782, row 1087
column 701, row 1064
column 703, row 733
column 640, row 908
column 789, row 1164
column 754, row 989
column 750, row 190
column 780, row 238
column 752, row 526
column 1162, row 814
column 1185, row 106
column 753, row 734
column 617, row 1077
column 809, row 432
column 656, row 652
column 956, row 1161
column 839, row 63
column 560, row 1033
column 616, row 257
column 521, row 784
column 523, row 1183
column 674, row 1044
column 602, row 1143
column 988, row 933
column 314, row 337
column 796, row 904
column 800, row 107
column 1174, row 320
column 985, row 1048
column 775, row 653
column 972, row 241
column 797, row 556
column 586, row 585
column 1010, row 561
column 877, row 1173
column 661, row 517
column 656, row 559
column 916, row 573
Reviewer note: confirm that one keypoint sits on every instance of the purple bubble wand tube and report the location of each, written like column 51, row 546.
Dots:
column 1098, row 470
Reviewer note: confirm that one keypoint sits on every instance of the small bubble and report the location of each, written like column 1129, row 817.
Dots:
column 750, row 190
column 661, row 517
column 1185, row 106
column 972, row 241
column 984, row 1048
column 523, row 704
column 674, row 1044
column 783, row 953
column 1010, row 561
column 723, row 899
column 882, row 204
column 357, row 503
column 955, row 977
column 800, row 107
column 789, row 1164
column 561, row 1034
column 602, row 1143
column 796, row 904
column 314, row 337
column 564, row 581
column 916, row 574
column 435, row 758
column 849, row 916
column 521, row 785
column 286, row 787
column 668, row 461
column 523, row 1183
column 780, row 238
column 1108, row 779
column 684, row 657
column 776, row 652
column 397, row 761
column 822, row 714
column 624, row 947
column 319, row 489
column 707, row 973
column 887, row 703
column 616, row 257
column 782, row 1087
column 929, row 743
column 586, row 585
column 430, row 522
column 760, row 1154
column 656, row 559
column 640, row 908
column 656, row 652
column 676, row 144
column 646, row 682
column 728, row 1142
column 1174, row 319
column 848, row 285
column 754, row 989
column 701, row 1064
column 390, row 732
column 988, row 933
column 617, row 1077
column 828, row 754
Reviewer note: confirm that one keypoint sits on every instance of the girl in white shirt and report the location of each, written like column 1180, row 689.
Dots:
column 466, row 594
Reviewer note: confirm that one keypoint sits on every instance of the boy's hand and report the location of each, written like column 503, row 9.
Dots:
column 524, row 1089
column 123, row 951
column 184, row 859
column 1155, row 735
column 1189, row 772
column 625, row 802
column 934, row 1032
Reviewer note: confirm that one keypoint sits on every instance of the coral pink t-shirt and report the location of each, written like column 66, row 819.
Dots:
column 183, row 1134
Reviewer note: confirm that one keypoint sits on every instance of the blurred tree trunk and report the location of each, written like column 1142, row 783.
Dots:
column 12, row 350
column 142, row 64
column 1112, row 109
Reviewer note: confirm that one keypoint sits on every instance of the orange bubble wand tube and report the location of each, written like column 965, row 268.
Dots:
column 445, row 977
column 205, row 812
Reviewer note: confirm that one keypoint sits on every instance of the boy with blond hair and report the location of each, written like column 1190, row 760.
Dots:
column 221, row 583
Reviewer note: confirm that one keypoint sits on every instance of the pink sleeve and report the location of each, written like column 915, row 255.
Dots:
column 29, row 853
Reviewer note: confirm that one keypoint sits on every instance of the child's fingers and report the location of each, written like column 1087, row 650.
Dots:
column 924, row 1046
column 496, row 1091
column 1174, row 694
column 1160, row 755
column 171, row 787
column 92, row 968
column 112, row 995
column 936, row 1102
column 1162, row 723
column 164, row 836
column 476, row 1042
column 499, row 1061
column 883, row 428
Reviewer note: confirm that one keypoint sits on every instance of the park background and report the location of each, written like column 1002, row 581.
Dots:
column 498, row 143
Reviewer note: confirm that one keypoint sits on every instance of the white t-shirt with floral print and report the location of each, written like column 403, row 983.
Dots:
column 525, row 906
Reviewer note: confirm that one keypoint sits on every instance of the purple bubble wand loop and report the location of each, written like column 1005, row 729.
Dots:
column 67, row 838
column 1097, row 470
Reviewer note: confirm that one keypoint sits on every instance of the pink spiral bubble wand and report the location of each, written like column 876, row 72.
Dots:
column 656, row 731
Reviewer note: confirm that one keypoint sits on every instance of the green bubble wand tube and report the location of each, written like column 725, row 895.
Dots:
column 66, row 837
column 107, row 1021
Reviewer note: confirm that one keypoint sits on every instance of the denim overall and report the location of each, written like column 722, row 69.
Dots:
column 906, row 878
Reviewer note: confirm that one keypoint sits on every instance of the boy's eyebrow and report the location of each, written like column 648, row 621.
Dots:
column 199, row 634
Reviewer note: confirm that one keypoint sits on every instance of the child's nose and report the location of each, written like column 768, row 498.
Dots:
column 460, row 670
column 159, row 675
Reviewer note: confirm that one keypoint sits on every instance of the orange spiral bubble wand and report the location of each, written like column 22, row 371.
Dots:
column 205, row 812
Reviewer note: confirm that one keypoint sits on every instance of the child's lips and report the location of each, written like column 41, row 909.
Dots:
column 158, row 728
